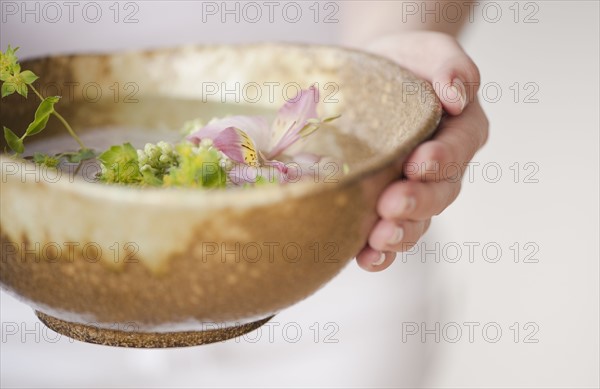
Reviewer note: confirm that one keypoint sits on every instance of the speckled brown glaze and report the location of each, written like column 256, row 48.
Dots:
column 275, row 245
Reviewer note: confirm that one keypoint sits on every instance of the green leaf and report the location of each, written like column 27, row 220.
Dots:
column 39, row 157
column 118, row 153
column 150, row 179
column 13, row 84
column 46, row 160
column 22, row 89
column 196, row 169
column 28, row 77
column 14, row 142
column 120, row 165
column 4, row 74
column 42, row 114
column 17, row 82
column 81, row 155
column 8, row 88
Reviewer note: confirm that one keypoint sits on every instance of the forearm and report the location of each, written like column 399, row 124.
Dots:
column 365, row 21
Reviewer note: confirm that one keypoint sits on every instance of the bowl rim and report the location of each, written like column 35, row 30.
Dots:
column 239, row 198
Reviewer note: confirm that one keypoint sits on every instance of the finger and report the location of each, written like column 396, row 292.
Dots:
column 446, row 156
column 391, row 236
column 373, row 260
column 414, row 200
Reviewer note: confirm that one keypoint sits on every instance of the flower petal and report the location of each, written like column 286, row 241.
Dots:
column 278, row 165
column 291, row 119
column 237, row 145
column 241, row 174
column 256, row 127
column 306, row 159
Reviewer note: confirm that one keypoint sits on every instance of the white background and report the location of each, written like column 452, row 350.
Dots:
column 556, row 215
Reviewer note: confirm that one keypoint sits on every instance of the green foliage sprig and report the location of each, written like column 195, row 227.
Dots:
column 156, row 165
column 16, row 81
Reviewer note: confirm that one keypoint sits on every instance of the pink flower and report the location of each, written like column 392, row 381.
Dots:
column 250, row 141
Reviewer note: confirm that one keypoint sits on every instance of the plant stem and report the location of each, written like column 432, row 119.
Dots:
column 62, row 120
column 77, row 168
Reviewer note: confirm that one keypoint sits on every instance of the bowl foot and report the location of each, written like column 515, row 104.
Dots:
column 108, row 337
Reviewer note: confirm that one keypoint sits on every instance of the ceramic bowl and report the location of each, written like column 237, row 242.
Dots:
column 137, row 267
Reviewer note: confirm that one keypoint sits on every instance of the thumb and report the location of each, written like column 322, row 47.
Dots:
column 456, row 81
column 437, row 58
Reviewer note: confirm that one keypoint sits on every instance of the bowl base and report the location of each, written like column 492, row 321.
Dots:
column 108, row 337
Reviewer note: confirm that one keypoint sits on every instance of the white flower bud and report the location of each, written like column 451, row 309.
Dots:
column 146, row 168
column 227, row 163
column 148, row 148
column 165, row 147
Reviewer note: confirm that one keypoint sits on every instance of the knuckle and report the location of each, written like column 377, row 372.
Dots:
column 439, row 152
column 426, row 225
column 407, row 245
column 409, row 189
column 450, row 193
column 414, row 233
column 472, row 72
column 455, row 191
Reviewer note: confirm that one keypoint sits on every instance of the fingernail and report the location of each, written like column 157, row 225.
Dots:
column 405, row 205
column 380, row 260
column 431, row 167
column 459, row 88
column 396, row 236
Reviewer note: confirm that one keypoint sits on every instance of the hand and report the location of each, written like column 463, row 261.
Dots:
column 406, row 206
